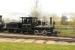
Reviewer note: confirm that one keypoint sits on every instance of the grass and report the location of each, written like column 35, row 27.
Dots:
column 30, row 46
column 66, row 30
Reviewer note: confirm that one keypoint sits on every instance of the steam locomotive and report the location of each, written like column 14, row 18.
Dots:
column 29, row 25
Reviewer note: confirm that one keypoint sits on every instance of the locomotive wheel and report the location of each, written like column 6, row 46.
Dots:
column 10, row 30
column 44, row 32
column 18, row 31
column 1, row 30
column 36, row 32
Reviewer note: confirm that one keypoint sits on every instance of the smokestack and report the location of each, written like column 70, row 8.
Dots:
column 51, row 21
column 0, row 18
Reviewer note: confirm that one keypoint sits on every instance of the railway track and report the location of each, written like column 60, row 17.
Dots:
column 46, row 38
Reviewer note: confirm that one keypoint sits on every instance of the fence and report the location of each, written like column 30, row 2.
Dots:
column 66, row 30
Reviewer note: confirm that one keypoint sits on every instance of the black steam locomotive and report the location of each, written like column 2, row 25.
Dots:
column 30, row 25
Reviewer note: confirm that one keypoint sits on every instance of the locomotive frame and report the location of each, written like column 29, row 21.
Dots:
column 31, row 25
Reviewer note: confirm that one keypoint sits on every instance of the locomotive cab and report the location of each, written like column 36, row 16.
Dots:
column 1, row 23
column 28, row 23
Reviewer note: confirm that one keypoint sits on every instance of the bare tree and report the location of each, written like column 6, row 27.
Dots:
column 64, row 20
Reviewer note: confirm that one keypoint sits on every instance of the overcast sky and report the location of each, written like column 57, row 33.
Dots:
column 16, row 8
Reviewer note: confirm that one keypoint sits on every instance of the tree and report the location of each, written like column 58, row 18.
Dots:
column 35, row 13
column 72, row 17
column 64, row 20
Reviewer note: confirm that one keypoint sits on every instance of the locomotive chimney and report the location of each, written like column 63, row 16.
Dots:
column 52, row 23
column 22, row 19
column 0, row 18
column 50, row 20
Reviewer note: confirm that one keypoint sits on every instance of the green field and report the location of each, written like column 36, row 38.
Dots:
column 66, row 30
column 29, row 46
